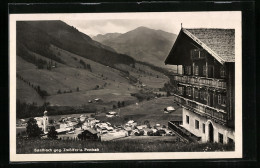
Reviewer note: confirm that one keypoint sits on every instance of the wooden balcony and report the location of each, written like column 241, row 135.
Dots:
column 217, row 115
column 210, row 82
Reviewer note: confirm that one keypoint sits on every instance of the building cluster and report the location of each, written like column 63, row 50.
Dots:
column 66, row 126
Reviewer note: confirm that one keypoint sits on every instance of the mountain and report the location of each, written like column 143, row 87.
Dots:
column 38, row 36
column 143, row 44
column 56, row 63
column 100, row 38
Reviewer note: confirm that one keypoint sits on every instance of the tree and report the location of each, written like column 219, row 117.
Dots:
column 146, row 122
column 59, row 92
column 80, row 136
column 51, row 121
column 80, row 123
column 114, row 106
column 168, row 93
column 141, row 132
column 118, row 104
column 52, row 133
column 150, row 133
column 32, row 129
column 164, row 126
column 123, row 104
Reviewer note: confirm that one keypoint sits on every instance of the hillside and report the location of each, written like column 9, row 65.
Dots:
column 37, row 36
column 143, row 44
column 59, row 65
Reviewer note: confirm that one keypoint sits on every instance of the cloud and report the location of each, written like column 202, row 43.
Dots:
column 94, row 24
column 94, row 27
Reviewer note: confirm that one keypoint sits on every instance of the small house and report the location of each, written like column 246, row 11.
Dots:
column 170, row 109
column 89, row 134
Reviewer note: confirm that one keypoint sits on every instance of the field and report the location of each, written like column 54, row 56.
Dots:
column 26, row 146
column 150, row 139
column 152, row 110
column 70, row 84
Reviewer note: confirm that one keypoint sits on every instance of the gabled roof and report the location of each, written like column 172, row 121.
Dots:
column 220, row 43
column 92, row 131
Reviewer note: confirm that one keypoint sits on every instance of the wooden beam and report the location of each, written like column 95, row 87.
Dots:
column 207, row 68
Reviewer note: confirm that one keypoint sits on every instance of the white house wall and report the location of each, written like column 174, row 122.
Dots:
column 227, row 132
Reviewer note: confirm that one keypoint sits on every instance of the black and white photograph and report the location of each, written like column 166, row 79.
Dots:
column 105, row 86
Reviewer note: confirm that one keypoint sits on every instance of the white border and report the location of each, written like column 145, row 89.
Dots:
column 120, row 156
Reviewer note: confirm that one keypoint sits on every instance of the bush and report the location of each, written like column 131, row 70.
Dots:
column 157, row 133
column 150, row 133
column 32, row 129
column 52, row 134
column 164, row 126
column 141, row 132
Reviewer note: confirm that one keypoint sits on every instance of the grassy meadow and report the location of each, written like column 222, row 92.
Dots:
column 152, row 110
column 104, row 82
column 25, row 146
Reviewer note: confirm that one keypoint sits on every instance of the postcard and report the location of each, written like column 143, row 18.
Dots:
column 125, row 86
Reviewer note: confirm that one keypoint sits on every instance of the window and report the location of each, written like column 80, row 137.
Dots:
column 222, row 100
column 230, row 141
column 196, row 93
column 180, row 90
column 219, row 99
column 197, row 124
column 188, row 70
column 187, row 119
column 196, row 70
column 189, row 89
column 204, row 70
column 222, row 72
column 201, row 94
column 220, row 138
column 203, row 128
column 205, row 95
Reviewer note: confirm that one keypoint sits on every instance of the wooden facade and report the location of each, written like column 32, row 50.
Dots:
column 206, row 83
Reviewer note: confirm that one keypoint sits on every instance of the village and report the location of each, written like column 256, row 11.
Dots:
column 86, row 127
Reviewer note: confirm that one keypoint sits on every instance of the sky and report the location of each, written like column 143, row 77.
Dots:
column 102, row 23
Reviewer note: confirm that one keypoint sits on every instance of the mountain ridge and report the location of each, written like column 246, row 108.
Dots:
column 143, row 44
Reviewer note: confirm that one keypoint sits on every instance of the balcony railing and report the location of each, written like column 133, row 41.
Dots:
column 202, row 109
column 201, row 81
